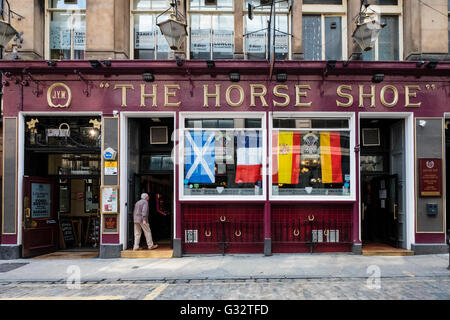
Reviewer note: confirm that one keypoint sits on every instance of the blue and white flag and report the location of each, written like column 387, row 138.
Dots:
column 199, row 157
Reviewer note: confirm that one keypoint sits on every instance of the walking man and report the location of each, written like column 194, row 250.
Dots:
column 140, row 216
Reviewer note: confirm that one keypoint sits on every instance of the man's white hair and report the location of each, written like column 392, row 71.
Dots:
column 144, row 196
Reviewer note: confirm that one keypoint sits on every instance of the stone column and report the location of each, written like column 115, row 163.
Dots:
column 107, row 29
column 297, row 45
column 238, row 29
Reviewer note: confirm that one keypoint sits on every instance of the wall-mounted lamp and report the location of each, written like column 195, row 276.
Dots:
column 331, row 64
column 51, row 63
column 210, row 63
column 282, row 77
column 422, row 123
column 432, row 64
column 107, row 63
column 179, row 61
column 148, row 77
column 419, row 64
column 377, row 78
column 95, row 63
column 235, row 77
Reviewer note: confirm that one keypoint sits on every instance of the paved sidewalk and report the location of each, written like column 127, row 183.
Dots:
column 230, row 267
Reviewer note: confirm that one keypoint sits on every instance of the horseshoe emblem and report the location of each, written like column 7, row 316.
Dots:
column 310, row 218
column 238, row 233
column 208, row 233
column 223, row 218
column 296, row 232
column 60, row 128
column 326, row 232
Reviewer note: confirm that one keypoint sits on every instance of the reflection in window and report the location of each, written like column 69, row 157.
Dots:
column 387, row 46
column 149, row 43
column 223, row 157
column 307, row 160
column 316, row 48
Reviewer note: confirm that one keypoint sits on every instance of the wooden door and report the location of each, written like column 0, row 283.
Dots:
column 40, row 227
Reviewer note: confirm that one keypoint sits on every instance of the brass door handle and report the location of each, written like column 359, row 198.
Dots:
column 395, row 211
column 363, row 211
column 27, row 213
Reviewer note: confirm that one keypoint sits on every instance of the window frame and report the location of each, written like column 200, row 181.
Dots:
column 134, row 12
column 325, row 10
column 350, row 116
column 390, row 10
column 48, row 11
column 220, row 115
column 209, row 11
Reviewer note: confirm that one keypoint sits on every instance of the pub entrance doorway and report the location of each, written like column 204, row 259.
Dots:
column 61, row 186
column 150, row 170
column 382, row 180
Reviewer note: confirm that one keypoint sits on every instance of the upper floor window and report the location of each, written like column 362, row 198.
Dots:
column 67, row 29
column 388, row 46
column 147, row 40
column 448, row 26
column 257, row 33
column 323, row 25
column 211, row 29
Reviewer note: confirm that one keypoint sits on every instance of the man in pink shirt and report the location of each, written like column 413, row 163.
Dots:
column 140, row 216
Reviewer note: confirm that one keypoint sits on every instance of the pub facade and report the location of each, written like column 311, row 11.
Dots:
column 310, row 158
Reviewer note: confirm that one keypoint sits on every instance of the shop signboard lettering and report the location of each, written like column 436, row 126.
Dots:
column 430, row 177
column 40, row 200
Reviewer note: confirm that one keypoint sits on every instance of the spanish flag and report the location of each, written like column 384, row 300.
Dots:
column 331, row 157
column 286, row 157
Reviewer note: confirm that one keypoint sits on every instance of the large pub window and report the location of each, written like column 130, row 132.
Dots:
column 311, row 157
column 67, row 29
column 223, row 157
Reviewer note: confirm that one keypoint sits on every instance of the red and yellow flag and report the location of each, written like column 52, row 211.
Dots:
column 286, row 157
column 330, row 157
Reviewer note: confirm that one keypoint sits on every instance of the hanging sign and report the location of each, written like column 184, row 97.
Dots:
column 430, row 177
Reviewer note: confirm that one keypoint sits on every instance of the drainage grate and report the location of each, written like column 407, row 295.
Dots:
column 5, row 267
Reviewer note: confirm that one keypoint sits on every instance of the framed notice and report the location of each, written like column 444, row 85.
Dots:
column 110, row 223
column 109, row 199
column 430, row 177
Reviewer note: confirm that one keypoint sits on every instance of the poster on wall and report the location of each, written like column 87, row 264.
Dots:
column 430, row 177
column 223, row 41
column 110, row 223
column 200, row 40
column 110, row 199
column 256, row 42
column 40, row 200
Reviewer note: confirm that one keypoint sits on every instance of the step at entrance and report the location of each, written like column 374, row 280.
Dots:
column 163, row 251
column 378, row 249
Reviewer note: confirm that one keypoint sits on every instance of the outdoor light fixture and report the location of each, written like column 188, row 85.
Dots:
column 107, row 63
column 210, row 63
column 179, row 61
column 282, row 77
column 420, row 63
column 173, row 29
column 148, row 77
column 7, row 32
column 51, row 63
column 368, row 28
column 377, row 78
column 331, row 64
column 432, row 64
column 235, row 77
column 95, row 63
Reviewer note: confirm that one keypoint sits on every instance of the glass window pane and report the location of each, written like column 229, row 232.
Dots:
column 67, row 32
column 256, row 41
column 144, row 36
column 449, row 29
column 312, row 37
column 310, row 163
column 223, row 36
column 385, row 2
column 388, row 40
column 333, row 38
column 219, row 5
column 67, row 4
column 150, row 4
column 200, row 36
column 281, row 37
column 322, row 1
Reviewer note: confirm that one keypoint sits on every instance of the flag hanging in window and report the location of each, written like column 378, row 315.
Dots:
column 249, row 157
column 286, row 157
column 331, row 157
column 199, row 156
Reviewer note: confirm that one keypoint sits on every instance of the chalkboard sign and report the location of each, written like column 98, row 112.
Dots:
column 67, row 231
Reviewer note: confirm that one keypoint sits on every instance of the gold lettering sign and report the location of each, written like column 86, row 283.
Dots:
column 409, row 94
column 124, row 88
column 347, row 96
column 59, row 95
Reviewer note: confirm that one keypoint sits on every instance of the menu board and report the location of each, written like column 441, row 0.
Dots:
column 40, row 200
column 430, row 177
column 67, row 230
column 110, row 199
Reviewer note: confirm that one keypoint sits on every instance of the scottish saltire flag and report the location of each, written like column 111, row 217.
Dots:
column 249, row 157
column 199, row 157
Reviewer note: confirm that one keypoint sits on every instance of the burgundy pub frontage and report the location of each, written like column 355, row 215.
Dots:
column 240, row 157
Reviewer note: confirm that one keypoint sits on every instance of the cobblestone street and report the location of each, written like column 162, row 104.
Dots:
column 398, row 288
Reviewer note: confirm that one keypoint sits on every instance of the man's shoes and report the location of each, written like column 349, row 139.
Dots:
column 136, row 249
column 153, row 247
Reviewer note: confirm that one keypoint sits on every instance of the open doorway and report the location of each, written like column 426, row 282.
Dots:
column 382, row 180
column 61, row 185
column 150, row 170
column 447, row 166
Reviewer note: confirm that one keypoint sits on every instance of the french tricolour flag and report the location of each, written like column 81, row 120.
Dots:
column 249, row 157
